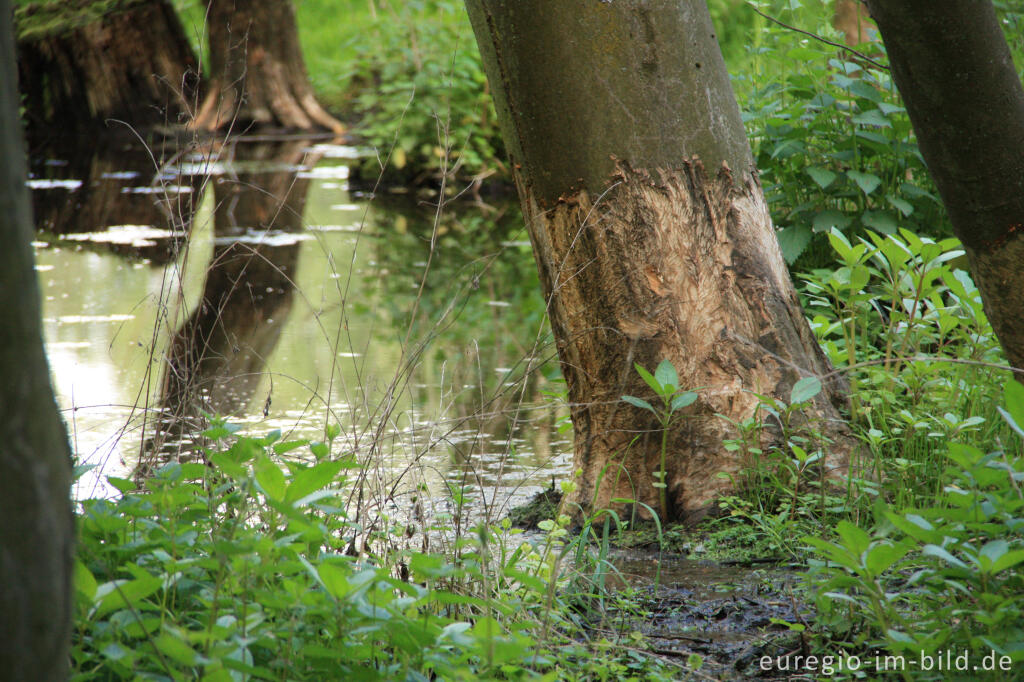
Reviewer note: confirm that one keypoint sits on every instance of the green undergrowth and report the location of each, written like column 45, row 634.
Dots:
column 250, row 567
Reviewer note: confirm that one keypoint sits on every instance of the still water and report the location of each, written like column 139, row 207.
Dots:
column 248, row 280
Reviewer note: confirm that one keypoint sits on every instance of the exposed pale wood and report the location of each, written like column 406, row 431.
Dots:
column 611, row 113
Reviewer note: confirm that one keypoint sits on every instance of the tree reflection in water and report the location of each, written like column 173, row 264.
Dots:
column 215, row 360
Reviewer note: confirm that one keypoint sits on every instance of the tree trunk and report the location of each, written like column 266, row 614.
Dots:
column 954, row 71
column 79, row 71
column 36, row 526
column 850, row 18
column 652, row 238
column 258, row 75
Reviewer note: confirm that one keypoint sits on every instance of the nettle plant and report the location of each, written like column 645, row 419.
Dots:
column 249, row 568
column 942, row 577
column 834, row 146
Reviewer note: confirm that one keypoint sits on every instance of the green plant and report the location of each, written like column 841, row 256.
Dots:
column 665, row 384
column 784, row 491
column 422, row 97
column 245, row 568
column 942, row 577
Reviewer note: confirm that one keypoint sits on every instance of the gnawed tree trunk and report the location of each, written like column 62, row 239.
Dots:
column 36, row 526
column 850, row 17
column 651, row 235
column 954, row 71
column 258, row 75
column 82, row 68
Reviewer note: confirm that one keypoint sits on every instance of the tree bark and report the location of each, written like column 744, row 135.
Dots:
column 954, row 71
column 258, row 75
column 134, row 65
column 36, row 526
column 652, row 238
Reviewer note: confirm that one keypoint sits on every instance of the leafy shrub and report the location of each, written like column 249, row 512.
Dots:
column 941, row 578
column 835, row 148
column 423, row 102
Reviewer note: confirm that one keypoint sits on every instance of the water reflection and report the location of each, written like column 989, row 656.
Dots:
column 292, row 304
column 114, row 197
column 215, row 360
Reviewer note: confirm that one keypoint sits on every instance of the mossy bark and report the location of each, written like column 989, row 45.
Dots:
column 956, row 75
column 132, row 67
column 36, row 525
column 652, row 239
column 257, row 73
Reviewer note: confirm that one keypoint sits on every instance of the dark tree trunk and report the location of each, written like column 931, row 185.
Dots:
column 954, row 71
column 258, row 75
column 216, row 358
column 36, row 526
column 651, row 235
column 85, row 70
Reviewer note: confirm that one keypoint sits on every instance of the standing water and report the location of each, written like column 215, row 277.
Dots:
column 247, row 280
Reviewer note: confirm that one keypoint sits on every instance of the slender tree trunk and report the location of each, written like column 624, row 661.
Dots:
column 652, row 238
column 954, row 71
column 850, row 17
column 133, row 65
column 258, row 75
column 36, row 526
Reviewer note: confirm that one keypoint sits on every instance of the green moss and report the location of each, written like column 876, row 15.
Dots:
column 35, row 19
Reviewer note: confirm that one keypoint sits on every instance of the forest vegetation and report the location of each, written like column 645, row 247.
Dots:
column 885, row 486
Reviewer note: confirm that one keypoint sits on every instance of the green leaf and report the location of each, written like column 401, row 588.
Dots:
column 939, row 552
column 821, row 176
column 915, row 527
column 312, row 479
column 667, row 376
column 1008, row 560
column 335, row 579
column 883, row 555
column 84, row 581
column 868, row 182
column 882, row 221
column 1013, row 400
column 901, row 205
column 638, row 402
column 123, row 485
column 270, row 478
column 648, row 378
column 793, row 240
column 827, row 220
column 118, row 594
column 804, row 389
column 684, row 400
column 854, row 538
column 175, row 649
column 228, row 465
